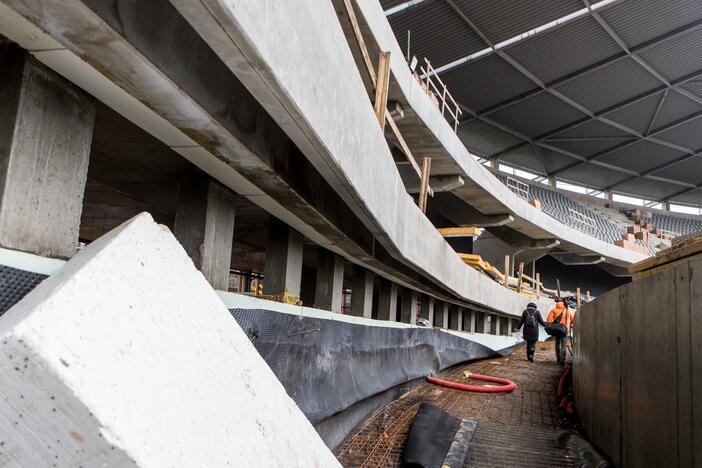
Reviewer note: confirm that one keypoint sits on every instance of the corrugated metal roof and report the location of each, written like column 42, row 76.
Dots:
column 606, row 86
column 502, row 19
column 675, row 107
column 593, row 176
column 485, row 139
column 436, row 32
column 687, row 171
column 637, row 21
column 641, row 156
column 637, row 115
column 691, row 198
column 688, row 135
column 677, row 57
column 485, row 82
column 550, row 55
column 647, row 188
column 537, row 115
column 539, row 160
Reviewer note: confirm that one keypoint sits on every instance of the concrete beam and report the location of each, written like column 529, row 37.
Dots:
column 204, row 225
column 443, row 183
column 408, row 306
column 362, row 292
column 462, row 214
column 282, row 273
column 127, row 357
column 46, row 131
column 330, row 281
column 575, row 259
column 387, row 300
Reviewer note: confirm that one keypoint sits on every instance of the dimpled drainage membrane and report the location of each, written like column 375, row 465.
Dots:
column 518, row 429
column 15, row 284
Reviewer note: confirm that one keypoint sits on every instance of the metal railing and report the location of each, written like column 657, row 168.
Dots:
column 518, row 187
column 581, row 221
column 433, row 86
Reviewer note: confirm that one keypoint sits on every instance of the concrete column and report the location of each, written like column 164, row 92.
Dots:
column 282, row 272
column 608, row 195
column 445, row 308
column 46, row 131
column 480, row 322
column 459, row 313
column 330, row 281
column 666, row 205
column 387, row 300
column 427, row 305
column 494, row 324
column 494, row 163
column 469, row 320
column 408, row 306
column 204, row 225
column 362, row 292
column 552, row 182
column 504, row 326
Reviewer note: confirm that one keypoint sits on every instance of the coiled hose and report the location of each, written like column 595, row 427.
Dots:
column 507, row 385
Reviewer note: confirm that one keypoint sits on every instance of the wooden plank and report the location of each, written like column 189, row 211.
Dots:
column 424, row 185
column 577, row 292
column 521, row 277
column 403, row 144
column 467, row 231
column 351, row 13
column 558, row 287
column 506, row 282
column 381, row 88
column 688, row 248
column 538, row 285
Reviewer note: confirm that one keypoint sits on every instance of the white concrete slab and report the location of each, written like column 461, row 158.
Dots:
column 127, row 357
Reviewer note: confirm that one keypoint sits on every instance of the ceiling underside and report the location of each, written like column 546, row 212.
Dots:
column 611, row 99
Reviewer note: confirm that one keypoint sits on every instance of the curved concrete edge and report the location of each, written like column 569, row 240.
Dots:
column 425, row 110
column 318, row 98
column 126, row 81
column 127, row 357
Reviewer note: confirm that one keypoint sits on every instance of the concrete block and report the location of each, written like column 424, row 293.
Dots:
column 127, row 357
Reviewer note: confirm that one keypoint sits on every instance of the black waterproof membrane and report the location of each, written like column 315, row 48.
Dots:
column 15, row 284
column 327, row 365
column 429, row 438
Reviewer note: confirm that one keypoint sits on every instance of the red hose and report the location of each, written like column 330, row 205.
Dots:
column 507, row 385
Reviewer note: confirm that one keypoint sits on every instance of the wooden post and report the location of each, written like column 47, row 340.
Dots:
column 381, row 88
column 558, row 287
column 538, row 286
column 588, row 296
column 359, row 40
column 578, row 295
column 506, row 271
column 424, row 185
column 521, row 275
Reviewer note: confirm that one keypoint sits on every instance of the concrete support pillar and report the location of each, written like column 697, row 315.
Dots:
column 469, row 320
column 46, row 131
column 204, row 225
column 459, row 313
column 445, row 315
column 494, row 325
column 427, row 308
column 480, row 322
column 362, row 292
column 608, row 195
column 666, row 205
column 504, row 326
column 387, row 300
column 552, row 182
column 329, row 284
column 282, row 272
column 408, row 306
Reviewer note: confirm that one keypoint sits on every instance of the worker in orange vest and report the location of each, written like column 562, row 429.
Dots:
column 561, row 314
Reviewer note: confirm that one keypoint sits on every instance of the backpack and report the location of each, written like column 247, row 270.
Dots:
column 530, row 319
column 556, row 328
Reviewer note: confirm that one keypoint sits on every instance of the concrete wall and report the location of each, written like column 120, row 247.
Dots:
column 638, row 370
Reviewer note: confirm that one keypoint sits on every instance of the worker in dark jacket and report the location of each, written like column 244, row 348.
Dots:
column 531, row 318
